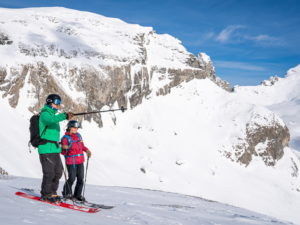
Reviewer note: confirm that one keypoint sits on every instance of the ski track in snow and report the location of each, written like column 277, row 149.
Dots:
column 132, row 206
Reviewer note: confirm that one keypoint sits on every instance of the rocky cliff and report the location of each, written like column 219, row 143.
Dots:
column 90, row 60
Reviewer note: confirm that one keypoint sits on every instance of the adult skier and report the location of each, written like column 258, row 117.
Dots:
column 73, row 148
column 49, row 152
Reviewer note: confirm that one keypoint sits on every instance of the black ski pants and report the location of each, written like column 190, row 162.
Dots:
column 52, row 171
column 74, row 171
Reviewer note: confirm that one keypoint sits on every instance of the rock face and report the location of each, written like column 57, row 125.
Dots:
column 266, row 142
column 272, row 80
column 265, row 136
column 4, row 40
column 125, row 85
column 91, row 72
column 3, row 172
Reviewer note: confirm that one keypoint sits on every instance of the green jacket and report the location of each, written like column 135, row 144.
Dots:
column 52, row 132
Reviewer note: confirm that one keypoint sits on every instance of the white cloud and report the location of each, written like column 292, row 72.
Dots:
column 238, row 65
column 226, row 33
column 261, row 37
column 230, row 34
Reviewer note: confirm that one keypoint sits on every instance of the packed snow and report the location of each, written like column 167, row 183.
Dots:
column 132, row 206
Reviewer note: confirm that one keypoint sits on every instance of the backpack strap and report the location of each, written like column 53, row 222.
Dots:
column 70, row 141
column 79, row 137
column 44, row 128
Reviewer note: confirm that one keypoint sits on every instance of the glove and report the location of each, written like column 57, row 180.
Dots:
column 69, row 115
column 88, row 153
column 65, row 146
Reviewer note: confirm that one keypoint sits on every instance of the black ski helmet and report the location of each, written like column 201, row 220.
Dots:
column 73, row 123
column 53, row 98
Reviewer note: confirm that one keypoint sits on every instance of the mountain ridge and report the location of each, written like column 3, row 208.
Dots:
column 185, row 130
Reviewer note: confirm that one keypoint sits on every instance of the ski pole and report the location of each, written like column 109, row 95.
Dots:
column 101, row 111
column 86, row 169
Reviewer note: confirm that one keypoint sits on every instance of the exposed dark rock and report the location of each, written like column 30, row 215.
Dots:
column 295, row 169
column 143, row 170
column 272, row 80
column 100, row 87
column 4, row 39
column 267, row 142
column 3, row 172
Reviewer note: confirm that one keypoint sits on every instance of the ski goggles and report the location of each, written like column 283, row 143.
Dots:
column 74, row 123
column 57, row 101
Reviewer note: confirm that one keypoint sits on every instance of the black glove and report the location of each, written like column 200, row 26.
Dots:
column 69, row 115
column 88, row 153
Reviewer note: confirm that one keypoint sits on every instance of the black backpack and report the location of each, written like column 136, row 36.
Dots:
column 35, row 139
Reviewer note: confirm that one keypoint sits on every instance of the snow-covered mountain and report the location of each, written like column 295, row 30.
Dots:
column 281, row 95
column 79, row 53
column 185, row 132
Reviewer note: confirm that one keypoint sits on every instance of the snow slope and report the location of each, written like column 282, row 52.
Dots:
column 175, row 143
column 133, row 206
column 282, row 97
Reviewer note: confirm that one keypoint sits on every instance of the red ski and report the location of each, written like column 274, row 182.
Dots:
column 61, row 204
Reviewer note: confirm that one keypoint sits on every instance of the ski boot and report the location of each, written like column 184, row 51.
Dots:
column 79, row 198
column 56, row 198
column 50, row 198
column 68, row 197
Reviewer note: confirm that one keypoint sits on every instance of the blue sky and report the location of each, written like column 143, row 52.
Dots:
column 248, row 40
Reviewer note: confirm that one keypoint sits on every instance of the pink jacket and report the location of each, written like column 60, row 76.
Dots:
column 74, row 155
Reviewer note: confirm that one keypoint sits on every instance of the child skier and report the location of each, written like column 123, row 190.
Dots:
column 73, row 148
